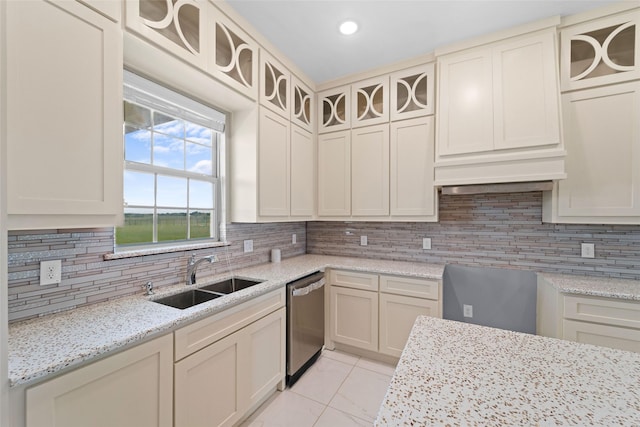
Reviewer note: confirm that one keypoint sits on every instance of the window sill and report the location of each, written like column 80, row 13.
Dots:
column 136, row 252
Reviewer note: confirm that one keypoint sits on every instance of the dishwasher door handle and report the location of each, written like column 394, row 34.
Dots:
column 307, row 289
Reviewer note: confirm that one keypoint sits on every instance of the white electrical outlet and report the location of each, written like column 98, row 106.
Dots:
column 50, row 272
column 294, row 239
column 426, row 243
column 248, row 246
column 588, row 250
column 467, row 310
column 363, row 240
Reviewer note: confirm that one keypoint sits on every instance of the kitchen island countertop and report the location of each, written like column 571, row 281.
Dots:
column 454, row 373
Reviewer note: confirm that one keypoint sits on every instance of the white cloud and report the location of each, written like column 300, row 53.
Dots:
column 203, row 166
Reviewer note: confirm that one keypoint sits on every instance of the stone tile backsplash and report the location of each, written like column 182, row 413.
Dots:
column 87, row 278
column 496, row 230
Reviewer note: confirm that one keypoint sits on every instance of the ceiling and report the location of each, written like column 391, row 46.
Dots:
column 306, row 31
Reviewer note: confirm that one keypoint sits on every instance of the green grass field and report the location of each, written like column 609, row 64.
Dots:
column 138, row 228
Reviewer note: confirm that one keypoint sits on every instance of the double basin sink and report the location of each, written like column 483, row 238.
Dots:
column 206, row 293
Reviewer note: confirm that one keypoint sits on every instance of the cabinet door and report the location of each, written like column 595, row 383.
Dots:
column 602, row 128
column 266, row 350
column 370, row 171
column 132, row 388
column 525, row 92
column 303, row 172
column 465, row 103
column 602, row 335
column 601, row 51
column 354, row 317
column 233, row 55
column 334, row 109
column 177, row 27
column 274, row 161
column 412, row 92
column 397, row 315
column 64, row 115
column 274, row 85
column 334, row 174
column 412, row 192
column 302, row 105
column 370, row 102
column 208, row 385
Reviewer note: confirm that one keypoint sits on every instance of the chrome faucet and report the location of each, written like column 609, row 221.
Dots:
column 192, row 265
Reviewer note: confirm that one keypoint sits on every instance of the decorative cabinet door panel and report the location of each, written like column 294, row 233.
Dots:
column 465, row 99
column 602, row 129
column 303, row 172
column 274, row 85
column 233, row 54
column 411, row 166
column 334, row 109
column 601, row 51
column 64, row 112
column 412, row 92
column 302, row 104
column 178, row 27
column 354, row 317
column 334, row 174
column 370, row 102
column 370, row 171
column 526, row 110
column 274, row 161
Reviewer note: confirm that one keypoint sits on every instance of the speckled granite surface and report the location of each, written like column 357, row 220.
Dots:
column 42, row 346
column 453, row 373
column 595, row 286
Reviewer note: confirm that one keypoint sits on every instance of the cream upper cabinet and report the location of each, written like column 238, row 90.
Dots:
column 370, row 171
column 274, row 164
column 177, row 27
column 370, row 102
column 412, row 92
column 302, row 105
column 465, row 103
column 334, row 106
column 334, row 174
column 303, row 173
column 411, row 152
column 131, row 388
column 602, row 136
column 498, row 112
column 64, row 116
column 232, row 54
column 274, row 85
column 601, row 51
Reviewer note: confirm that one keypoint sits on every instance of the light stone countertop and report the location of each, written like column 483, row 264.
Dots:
column 454, row 373
column 594, row 286
column 47, row 345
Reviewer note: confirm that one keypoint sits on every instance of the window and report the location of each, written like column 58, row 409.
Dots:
column 172, row 148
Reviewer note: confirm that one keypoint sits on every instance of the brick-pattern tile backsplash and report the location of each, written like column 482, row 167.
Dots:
column 497, row 230
column 88, row 279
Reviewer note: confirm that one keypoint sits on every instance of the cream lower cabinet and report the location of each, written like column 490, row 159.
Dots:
column 229, row 363
column 376, row 312
column 133, row 388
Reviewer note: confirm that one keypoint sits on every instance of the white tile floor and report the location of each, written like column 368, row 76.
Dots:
column 339, row 390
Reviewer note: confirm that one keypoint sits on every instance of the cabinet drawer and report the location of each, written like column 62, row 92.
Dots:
column 603, row 335
column 200, row 334
column 355, row 280
column 602, row 310
column 410, row 286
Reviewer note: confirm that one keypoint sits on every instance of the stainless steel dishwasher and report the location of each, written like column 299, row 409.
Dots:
column 305, row 324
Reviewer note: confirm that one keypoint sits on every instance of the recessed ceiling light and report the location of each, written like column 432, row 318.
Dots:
column 348, row 27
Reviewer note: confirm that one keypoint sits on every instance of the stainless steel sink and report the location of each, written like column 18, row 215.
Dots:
column 230, row 285
column 187, row 299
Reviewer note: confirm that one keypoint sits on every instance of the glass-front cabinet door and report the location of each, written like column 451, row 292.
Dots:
column 600, row 52
column 412, row 92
